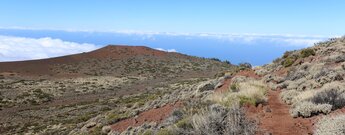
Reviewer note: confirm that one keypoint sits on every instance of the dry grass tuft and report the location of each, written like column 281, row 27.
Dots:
column 252, row 92
column 223, row 121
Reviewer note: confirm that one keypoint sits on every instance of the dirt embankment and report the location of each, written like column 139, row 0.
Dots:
column 153, row 115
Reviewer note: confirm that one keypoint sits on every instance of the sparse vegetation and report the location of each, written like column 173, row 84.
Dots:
column 307, row 52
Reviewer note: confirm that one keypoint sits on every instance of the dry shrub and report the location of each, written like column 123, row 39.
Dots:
column 331, row 125
column 218, row 120
column 252, row 91
column 313, row 101
column 288, row 95
column 307, row 109
column 331, row 94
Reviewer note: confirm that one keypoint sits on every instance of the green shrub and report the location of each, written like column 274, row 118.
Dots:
column 96, row 131
column 115, row 117
column 288, row 61
column 184, row 124
column 244, row 66
column 216, row 59
column 147, row 132
column 234, row 87
column 287, row 54
column 247, row 100
column 165, row 131
column 307, row 52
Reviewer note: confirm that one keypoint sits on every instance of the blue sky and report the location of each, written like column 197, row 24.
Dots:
column 240, row 31
column 304, row 17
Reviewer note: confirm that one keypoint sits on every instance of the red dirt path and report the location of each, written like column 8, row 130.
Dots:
column 153, row 115
column 274, row 118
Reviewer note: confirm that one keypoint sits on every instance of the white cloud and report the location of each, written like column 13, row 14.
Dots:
column 20, row 48
column 166, row 50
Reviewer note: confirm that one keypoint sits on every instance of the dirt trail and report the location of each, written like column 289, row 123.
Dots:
column 274, row 118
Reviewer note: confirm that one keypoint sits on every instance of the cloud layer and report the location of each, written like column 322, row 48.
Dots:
column 20, row 48
column 166, row 50
column 249, row 38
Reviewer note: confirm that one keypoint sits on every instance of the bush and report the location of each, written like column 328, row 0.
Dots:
column 218, row 120
column 307, row 109
column 244, row 66
column 307, row 52
column 332, row 96
column 331, row 125
column 340, row 59
column 215, row 59
column 287, row 54
column 247, row 100
column 252, row 92
column 288, row 95
column 288, row 62
column 234, row 87
column 227, row 62
column 165, row 131
column 184, row 124
column 148, row 132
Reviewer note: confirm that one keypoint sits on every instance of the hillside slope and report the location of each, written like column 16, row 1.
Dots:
column 61, row 94
column 312, row 82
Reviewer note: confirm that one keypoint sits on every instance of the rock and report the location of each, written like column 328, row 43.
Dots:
column 206, row 86
column 220, row 84
column 106, row 129
column 239, row 79
column 90, row 124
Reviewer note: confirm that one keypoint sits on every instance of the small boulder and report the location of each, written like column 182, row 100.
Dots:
column 90, row 124
column 206, row 86
column 106, row 129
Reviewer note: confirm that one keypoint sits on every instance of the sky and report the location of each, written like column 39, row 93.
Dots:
column 244, row 26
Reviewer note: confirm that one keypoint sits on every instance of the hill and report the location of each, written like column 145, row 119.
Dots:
column 38, row 95
column 110, row 60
